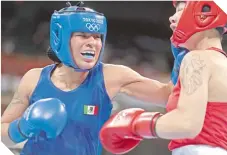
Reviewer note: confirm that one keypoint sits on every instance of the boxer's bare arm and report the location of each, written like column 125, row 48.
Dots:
column 125, row 80
column 19, row 103
column 186, row 121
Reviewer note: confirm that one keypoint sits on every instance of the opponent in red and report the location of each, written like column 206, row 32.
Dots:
column 196, row 118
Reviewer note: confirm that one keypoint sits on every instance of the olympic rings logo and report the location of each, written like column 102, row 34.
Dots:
column 93, row 27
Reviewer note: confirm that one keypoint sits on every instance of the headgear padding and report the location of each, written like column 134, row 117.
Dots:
column 197, row 16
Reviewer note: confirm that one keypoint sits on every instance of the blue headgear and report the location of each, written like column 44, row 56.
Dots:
column 74, row 19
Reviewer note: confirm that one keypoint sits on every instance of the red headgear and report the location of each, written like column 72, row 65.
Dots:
column 197, row 16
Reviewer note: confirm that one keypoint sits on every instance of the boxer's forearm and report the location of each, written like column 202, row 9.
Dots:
column 175, row 125
column 4, row 135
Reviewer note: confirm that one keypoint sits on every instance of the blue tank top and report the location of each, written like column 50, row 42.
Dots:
column 88, row 107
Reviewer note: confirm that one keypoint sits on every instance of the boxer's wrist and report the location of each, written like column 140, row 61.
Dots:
column 144, row 124
column 15, row 133
column 153, row 124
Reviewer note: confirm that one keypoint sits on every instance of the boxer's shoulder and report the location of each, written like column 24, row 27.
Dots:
column 30, row 79
column 114, row 73
column 33, row 74
column 116, row 76
column 114, row 67
column 197, row 56
column 34, row 71
column 119, row 72
column 206, row 54
column 210, row 57
column 200, row 53
column 111, row 79
column 195, row 65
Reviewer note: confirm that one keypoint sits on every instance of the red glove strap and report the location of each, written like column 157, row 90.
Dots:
column 144, row 124
column 153, row 124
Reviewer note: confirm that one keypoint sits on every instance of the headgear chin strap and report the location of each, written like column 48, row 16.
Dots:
column 197, row 16
column 74, row 19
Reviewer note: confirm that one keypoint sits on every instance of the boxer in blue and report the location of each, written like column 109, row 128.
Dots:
column 60, row 109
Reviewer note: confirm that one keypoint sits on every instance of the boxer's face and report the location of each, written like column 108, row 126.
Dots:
column 85, row 49
column 174, row 19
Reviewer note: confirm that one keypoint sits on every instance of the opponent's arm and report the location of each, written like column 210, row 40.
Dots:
column 133, row 84
column 17, row 106
column 187, row 120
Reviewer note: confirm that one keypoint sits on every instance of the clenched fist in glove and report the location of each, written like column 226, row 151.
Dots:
column 124, row 130
column 48, row 115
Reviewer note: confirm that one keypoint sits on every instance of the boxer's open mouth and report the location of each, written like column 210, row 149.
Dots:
column 88, row 54
column 173, row 26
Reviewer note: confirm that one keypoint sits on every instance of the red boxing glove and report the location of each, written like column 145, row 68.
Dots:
column 124, row 130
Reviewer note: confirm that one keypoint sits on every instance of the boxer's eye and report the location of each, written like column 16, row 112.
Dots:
column 180, row 9
column 180, row 6
column 206, row 8
column 97, row 36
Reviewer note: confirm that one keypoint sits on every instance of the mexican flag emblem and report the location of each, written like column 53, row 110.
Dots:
column 90, row 110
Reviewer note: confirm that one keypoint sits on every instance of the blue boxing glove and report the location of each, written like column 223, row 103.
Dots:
column 178, row 54
column 46, row 115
